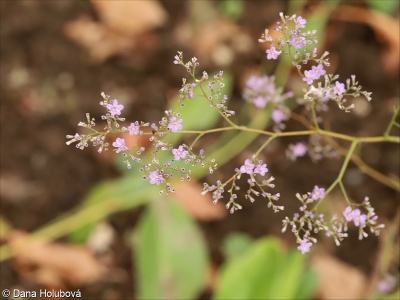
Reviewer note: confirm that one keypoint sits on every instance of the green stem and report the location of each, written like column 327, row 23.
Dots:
column 392, row 122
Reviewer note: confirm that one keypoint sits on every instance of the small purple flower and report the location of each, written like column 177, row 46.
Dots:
column 297, row 41
column 115, row 108
column 339, row 88
column 347, row 213
column 300, row 22
column 260, row 101
column 387, row 284
column 314, row 74
column 272, row 53
column 133, row 129
column 175, row 124
column 120, row 145
column 358, row 218
column 261, row 169
column 179, row 153
column 278, row 116
column 318, row 71
column 305, row 246
column 247, row 167
column 308, row 77
column 299, row 149
column 318, row 193
column 156, row 178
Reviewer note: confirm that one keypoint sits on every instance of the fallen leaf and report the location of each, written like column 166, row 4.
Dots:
column 386, row 29
column 54, row 264
column 100, row 41
column 131, row 17
column 199, row 207
column 217, row 42
column 337, row 279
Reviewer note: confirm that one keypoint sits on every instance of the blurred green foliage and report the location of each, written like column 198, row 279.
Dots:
column 266, row 271
column 232, row 9
column 390, row 7
column 169, row 252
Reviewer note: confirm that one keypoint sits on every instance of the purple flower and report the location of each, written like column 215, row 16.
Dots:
column 264, row 84
column 261, row 169
column 300, row 22
column 318, row 71
column 339, row 88
column 305, row 246
column 314, row 74
column 297, row 41
column 347, row 213
column 179, row 153
column 308, row 77
column 120, row 145
column 115, row 108
column 247, row 167
column 272, row 53
column 175, row 124
column 355, row 215
column 156, row 178
column 318, row 193
column 133, row 129
column 299, row 149
column 387, row 284
column 260, row 101
column 278, row 116
column 358, row 218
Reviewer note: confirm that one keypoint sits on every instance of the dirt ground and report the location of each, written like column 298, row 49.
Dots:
column 49, row 81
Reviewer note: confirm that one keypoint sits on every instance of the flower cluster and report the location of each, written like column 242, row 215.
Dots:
column 262, row 91
column 163, row 160
column 307, row 224
column 215, row 86
column 315, row 149
column 296, row 46
column 154, row 169
column 255, row 170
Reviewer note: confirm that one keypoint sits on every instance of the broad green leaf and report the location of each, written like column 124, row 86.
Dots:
column 169, row 252
column 265, row 271
column 235, row 244
column 125, row 193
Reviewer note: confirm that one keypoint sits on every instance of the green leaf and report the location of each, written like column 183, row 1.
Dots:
column 169, row 252
column 389, row 7
column 235, row 244
column 232, row 9
column 265, row 271
column 125, row 193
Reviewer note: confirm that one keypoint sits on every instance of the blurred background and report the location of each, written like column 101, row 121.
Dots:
column 56, row 59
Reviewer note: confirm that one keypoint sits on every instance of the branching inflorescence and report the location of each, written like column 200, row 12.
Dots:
column 178, row 160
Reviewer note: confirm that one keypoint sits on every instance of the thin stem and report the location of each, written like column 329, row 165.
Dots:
column 392, row 122
column 314, row 115
column 264, row 145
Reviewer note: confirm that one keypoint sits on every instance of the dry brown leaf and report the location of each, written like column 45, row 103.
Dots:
column 100, row 41
column 337, row 279
column 198, row 206
column 131, row 17
column 218, row 42
column 54, row 264
column 386, row 28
